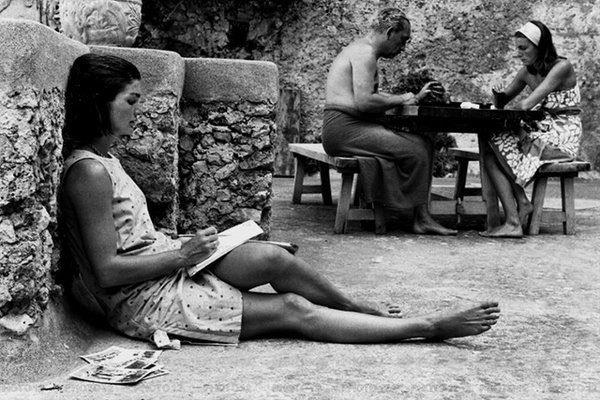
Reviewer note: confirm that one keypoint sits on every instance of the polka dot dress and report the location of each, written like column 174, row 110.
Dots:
column 203, row 308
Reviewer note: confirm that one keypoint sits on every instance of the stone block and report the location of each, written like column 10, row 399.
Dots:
column 215, row 79
column 227, row 135
column 150, row 155
column 161, row 70
column 226, row 163
column 33, row 54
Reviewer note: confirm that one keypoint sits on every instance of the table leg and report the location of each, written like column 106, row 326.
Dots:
column 488, row 192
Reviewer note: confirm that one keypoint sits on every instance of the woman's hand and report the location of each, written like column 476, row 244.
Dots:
column 433, row 88
column 200, row 246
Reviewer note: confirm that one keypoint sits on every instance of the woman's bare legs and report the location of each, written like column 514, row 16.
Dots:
column 523, row 204
column 255, row 264
column 512, row 225
column 273, row 314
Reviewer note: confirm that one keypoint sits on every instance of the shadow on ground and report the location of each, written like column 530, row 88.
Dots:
column 546, row 345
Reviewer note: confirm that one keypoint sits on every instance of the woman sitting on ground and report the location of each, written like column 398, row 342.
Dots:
column 517, row 156
column 138, row 275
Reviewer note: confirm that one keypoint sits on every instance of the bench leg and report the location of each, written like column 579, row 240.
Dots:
column 343, row 206
column 461, row 178
column 567, row 192
column 379, row 214
column 325, row 183
column 358, row 192
column 537, row 198
column 298, row 179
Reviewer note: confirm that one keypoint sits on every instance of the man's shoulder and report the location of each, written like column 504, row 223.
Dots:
column 358, row 48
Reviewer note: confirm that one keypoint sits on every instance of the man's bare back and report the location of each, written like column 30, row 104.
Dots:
column 344, row 74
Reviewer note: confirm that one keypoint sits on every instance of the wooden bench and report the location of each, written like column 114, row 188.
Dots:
column 348, row 167
column 566, row 171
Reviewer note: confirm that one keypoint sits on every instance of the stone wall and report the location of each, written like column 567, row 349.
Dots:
column 34, row 63
column 227, row 143
column 467, row 44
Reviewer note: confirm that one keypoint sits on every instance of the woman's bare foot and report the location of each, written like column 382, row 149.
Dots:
column 379, row 309
column 504, row 231
column 464, row 323
column 432, row 227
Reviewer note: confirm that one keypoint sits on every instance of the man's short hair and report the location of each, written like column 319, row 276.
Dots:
column 390, row 18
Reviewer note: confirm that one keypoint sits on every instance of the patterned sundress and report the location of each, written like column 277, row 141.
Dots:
column 201, row 308
column 555, row 138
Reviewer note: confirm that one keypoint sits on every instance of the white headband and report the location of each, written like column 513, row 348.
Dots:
column 531, row 32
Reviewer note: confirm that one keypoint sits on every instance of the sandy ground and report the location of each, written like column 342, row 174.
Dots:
column 546, row 345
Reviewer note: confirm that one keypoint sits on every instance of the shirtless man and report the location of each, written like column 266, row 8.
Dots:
column 353, row 99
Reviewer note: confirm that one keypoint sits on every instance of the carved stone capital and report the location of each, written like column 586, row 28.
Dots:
column 101, row 22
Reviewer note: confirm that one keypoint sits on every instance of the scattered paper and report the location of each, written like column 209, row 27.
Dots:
column 469, row 105
column 117, row 365
column 162, row 341
column 155, row 373
column 51, row 386
column 102, row 374
column 117, row 357
column 228, row 240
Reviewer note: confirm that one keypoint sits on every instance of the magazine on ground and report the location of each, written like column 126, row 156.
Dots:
column 117, row 365
column 228, row 240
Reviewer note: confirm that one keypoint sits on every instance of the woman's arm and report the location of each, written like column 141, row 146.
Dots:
column 89, row 189
column 503, row 97
column 558, row 75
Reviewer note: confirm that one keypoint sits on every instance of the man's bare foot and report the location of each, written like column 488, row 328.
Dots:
column 525, row 209
column 504, row 231
column 432, row 227
column 379, row 309
column 464, row 323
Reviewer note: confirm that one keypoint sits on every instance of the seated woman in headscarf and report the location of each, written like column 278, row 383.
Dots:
column 138, row 278
column 517, row 156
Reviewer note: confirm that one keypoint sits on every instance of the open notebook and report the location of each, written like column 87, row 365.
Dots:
column 228, row 240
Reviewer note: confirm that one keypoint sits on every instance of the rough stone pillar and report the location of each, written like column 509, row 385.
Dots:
column 150, row 156
column 226, row 147
column 34, row 65
column 288, row 130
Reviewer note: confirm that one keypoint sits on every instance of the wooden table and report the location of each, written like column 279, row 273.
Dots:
column 451, row 118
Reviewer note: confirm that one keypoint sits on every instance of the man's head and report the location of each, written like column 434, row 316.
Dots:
column 394, row 24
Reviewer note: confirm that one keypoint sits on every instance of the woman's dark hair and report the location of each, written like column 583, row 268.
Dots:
column 547, row 55
column 94, row 81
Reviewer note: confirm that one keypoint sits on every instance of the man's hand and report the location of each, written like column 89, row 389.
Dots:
column 199, row 247
column 499, row 97
column 433, row 88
